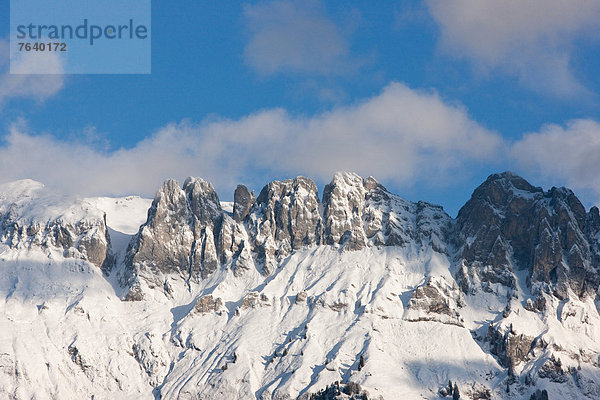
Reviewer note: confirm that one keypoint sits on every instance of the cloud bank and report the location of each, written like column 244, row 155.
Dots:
column 531, row 39
column 400, row 136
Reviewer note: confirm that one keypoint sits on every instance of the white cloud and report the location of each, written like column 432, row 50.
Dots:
column 400, row 136
column 569, row 154
column 35, row 86
column 530, row 39
column 294, row 36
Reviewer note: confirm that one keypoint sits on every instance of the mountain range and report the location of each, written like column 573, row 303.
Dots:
column 355, row 294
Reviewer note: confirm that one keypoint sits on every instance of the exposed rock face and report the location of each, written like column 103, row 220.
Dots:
column 537, row 305
column 509, row 224
column 234, row 246
column 94, row 243
column 30, row 215
column 510, row 348
column 553, row 370
column 301, row 297
column 178, row 235
column 285, row 217
column 207, row 304
column 262, row 232
column 254, row 300
column 436, row 300
column 343, row 201
column 361, row 212
column 243, row 200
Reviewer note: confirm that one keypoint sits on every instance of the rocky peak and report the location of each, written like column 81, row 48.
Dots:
column 197, row 199
column 169, row 203
column 288, row 211
column 202, row 200
column 498, row 194
column 178, row 236
column 509, row 224
column 506, row 183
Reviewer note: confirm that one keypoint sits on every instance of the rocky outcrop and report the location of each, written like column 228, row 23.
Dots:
column 254, row 300
column 539, row 395
column 536, row 305
column 435, row 300
column 301, row 297
column 207, row 304
column 243, row 200
column 510, row 348
column 338, row 391
column 553, row 370
column 509, row 224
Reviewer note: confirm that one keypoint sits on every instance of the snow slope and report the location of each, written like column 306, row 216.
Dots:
column 74, row 338
column 123, row 214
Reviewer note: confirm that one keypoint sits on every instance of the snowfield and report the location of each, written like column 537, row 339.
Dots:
column 68, row 335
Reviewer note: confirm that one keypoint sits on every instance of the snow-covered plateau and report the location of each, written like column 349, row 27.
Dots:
column 355, row 294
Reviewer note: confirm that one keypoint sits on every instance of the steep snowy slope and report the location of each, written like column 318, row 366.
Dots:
column 283, row 294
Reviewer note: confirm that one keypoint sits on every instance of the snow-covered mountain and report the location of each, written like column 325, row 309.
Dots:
column 284, row 295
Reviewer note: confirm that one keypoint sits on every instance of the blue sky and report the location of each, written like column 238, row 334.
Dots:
column 428, row 97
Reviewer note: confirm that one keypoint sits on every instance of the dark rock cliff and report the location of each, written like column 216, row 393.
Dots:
column 510, row 225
